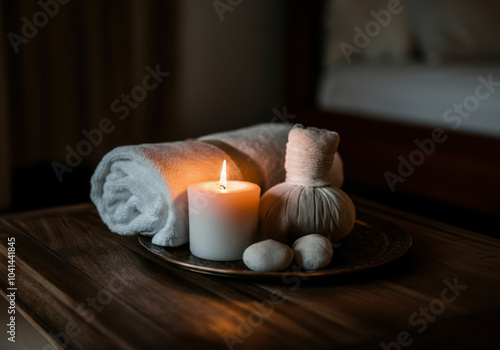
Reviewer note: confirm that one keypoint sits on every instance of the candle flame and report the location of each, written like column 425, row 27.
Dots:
column 223, row 181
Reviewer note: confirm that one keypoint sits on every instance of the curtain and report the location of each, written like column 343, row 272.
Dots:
column 61, row 80
column 65, row 78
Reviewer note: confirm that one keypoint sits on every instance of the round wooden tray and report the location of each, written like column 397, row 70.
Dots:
column 373, row 242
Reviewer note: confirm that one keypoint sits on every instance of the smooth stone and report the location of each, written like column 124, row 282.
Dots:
column 268, row 256
column 312, row 252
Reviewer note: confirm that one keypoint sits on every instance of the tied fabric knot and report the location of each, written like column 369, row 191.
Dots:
column 308, row 201
column 307, row 167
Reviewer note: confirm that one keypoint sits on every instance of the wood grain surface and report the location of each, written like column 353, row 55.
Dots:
column 85, row 287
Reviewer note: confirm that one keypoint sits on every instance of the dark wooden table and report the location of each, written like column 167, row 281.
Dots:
column 85, row 287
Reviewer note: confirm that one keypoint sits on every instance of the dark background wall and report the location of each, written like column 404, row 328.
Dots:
column 69, row 73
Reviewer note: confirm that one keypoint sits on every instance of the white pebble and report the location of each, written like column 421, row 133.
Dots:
column 268, row 256
column 312, row 252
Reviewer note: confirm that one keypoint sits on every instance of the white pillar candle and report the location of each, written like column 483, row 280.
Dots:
column 223, row 218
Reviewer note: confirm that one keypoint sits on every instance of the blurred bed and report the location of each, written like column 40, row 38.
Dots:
column 412, row 62
column 385, row 73
column 434, row 96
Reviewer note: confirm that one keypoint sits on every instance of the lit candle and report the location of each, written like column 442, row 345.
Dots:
column 223, row 218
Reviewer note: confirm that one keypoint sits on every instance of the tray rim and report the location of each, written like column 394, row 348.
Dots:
column 396, row 234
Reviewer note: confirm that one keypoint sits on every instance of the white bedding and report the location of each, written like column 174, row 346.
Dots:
column 416, row 94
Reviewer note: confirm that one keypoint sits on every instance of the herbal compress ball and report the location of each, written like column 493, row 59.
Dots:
column 306, row 203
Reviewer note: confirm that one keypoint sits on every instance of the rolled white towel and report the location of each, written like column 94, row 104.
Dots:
column 142, row 188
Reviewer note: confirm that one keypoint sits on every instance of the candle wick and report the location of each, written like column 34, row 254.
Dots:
column 222, row 186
